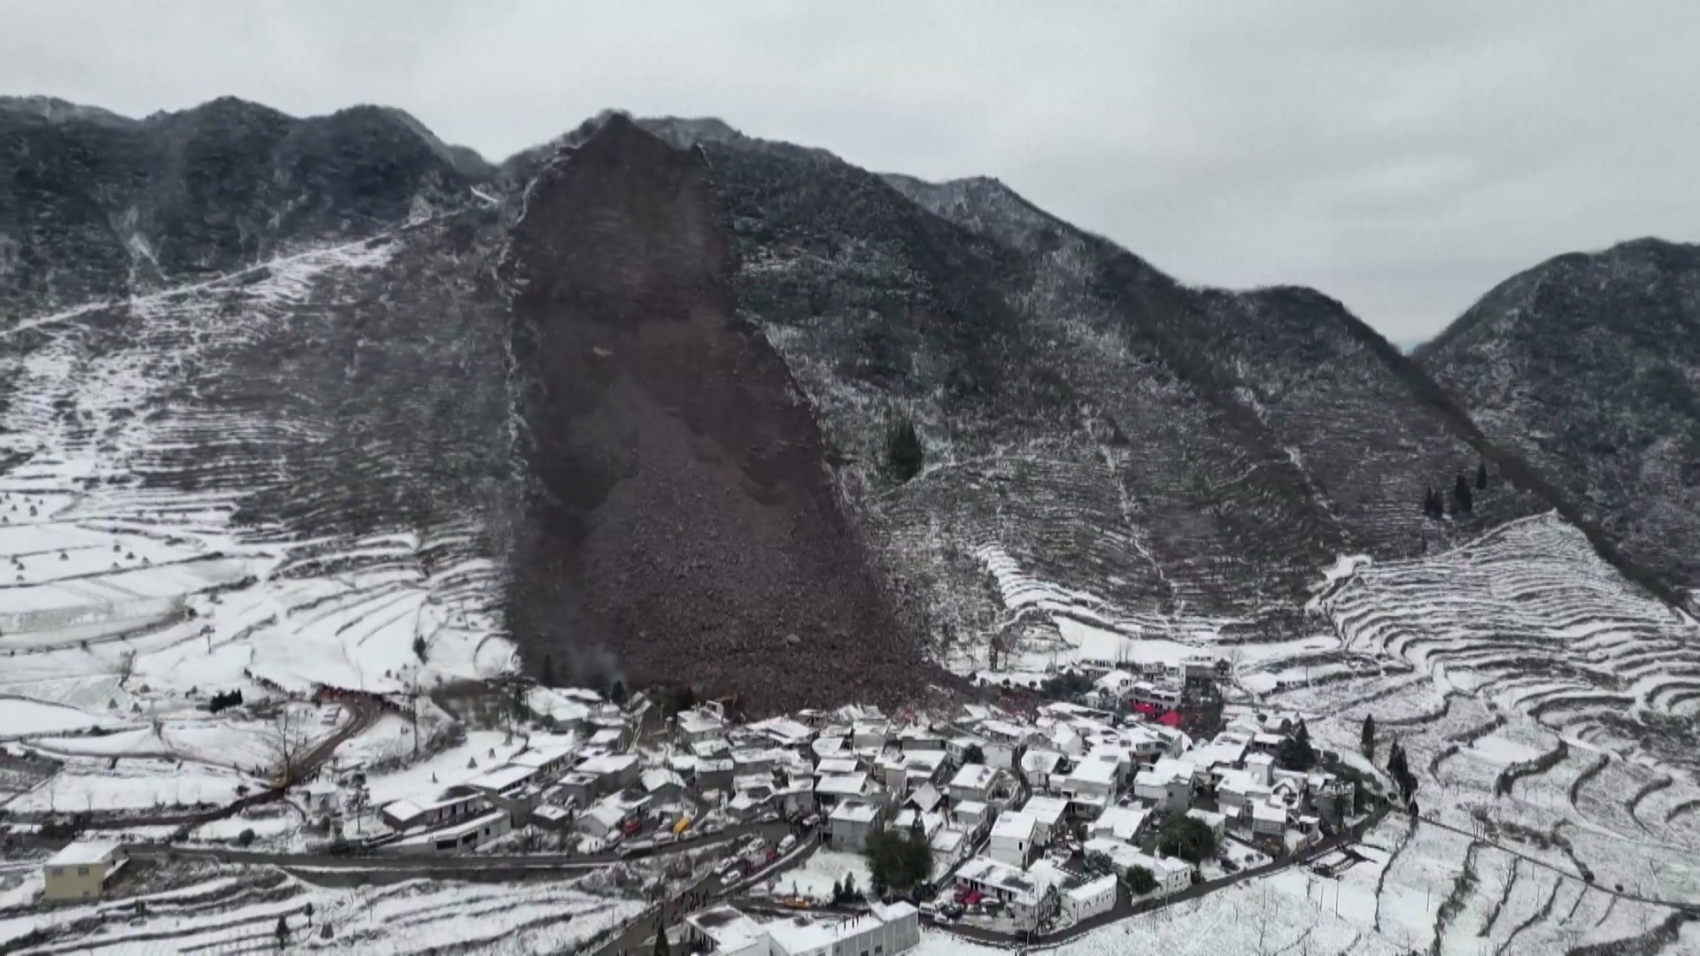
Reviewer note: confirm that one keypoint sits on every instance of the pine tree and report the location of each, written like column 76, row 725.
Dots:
column 546, row 673
column 282, row 930
column 1295, row 752
column 662, row 947
column 617, row 693
column 903, row 451
column 1368, row 741
column 1399, row 768
column 1462, row 500
column 1481, row 476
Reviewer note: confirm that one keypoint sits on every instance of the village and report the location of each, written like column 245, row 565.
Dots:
column 1000, row 821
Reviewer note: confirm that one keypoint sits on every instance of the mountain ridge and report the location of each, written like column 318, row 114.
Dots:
column 1167, row 459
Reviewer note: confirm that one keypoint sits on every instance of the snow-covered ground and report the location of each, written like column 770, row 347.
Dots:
column 815, row 878
column 240, row 913
column 126, row 602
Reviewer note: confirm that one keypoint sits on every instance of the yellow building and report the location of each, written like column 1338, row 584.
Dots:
column 80, row 871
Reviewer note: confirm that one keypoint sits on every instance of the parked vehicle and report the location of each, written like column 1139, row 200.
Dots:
column 665, row 837
column 786, row 844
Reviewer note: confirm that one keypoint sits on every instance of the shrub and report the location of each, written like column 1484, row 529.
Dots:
column 1140, row 881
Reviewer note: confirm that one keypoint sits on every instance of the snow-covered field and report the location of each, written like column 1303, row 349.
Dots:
column 815, row 878
column 241, row 912
column 126, row 601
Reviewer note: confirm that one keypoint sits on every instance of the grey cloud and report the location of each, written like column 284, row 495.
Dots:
column 1400, row 157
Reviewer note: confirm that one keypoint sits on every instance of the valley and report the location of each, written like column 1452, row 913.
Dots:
column 520, row 562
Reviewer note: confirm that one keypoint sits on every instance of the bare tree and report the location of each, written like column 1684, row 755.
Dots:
column 288, row 744
column 126, row 666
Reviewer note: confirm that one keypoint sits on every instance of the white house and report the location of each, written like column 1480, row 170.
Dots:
column 1050, row 816
column 1013, row 839
column 1262, row 767
column 1028, row 895
column 883, row 930
column 502, row 781
column 1172, row 875
column 601, row 820
column 547, row 761
column 1007, row 733
column 1120, row 823
column 1090, row 787
column 1039, row 766
column 1166, row 786
column 1114, row 687
column 466, row 835
column 322, row 797
column 831, row 789
column 1237, row 791
column 724, row 931
column 837, row 766
column 1268, row 820
column 80, row 870
column 976, row 782
column 850, row 825
column 1090, row 899
column 972, row 815
column 870, row 734
column 449, row 805
column 950, row 846
column 611, row 772
column 692, row 726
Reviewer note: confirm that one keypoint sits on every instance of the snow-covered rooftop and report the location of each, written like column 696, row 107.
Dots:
column 83, row 853
column 974, row 776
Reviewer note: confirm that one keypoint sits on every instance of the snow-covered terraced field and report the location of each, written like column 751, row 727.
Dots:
column 227, row 914
column 188, row 505
column 1542, row 703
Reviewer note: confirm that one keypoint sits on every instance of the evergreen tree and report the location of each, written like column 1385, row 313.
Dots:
column 1462, row 500
column 282, row 930
column 1481, row 476
column 1140, row 880
column 617, row 693
column 1433, row 505
column 546, row 673
column 1399, row 768
column 1368, row 741
column 662, row 947
column 903, row 451
column 1295, row 752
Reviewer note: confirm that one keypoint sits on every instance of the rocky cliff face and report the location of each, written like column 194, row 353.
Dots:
column 683, row 524
column 1589, row 366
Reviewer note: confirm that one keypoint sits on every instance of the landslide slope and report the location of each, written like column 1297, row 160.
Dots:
column 683, row 520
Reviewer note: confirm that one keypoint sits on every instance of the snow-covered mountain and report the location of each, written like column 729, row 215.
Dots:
column 1589, row 365
column 624, row 401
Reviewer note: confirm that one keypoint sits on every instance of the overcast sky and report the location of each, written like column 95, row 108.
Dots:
column 1403, row 157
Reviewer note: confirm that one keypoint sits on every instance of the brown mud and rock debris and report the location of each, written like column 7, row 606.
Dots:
column 682, row 526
